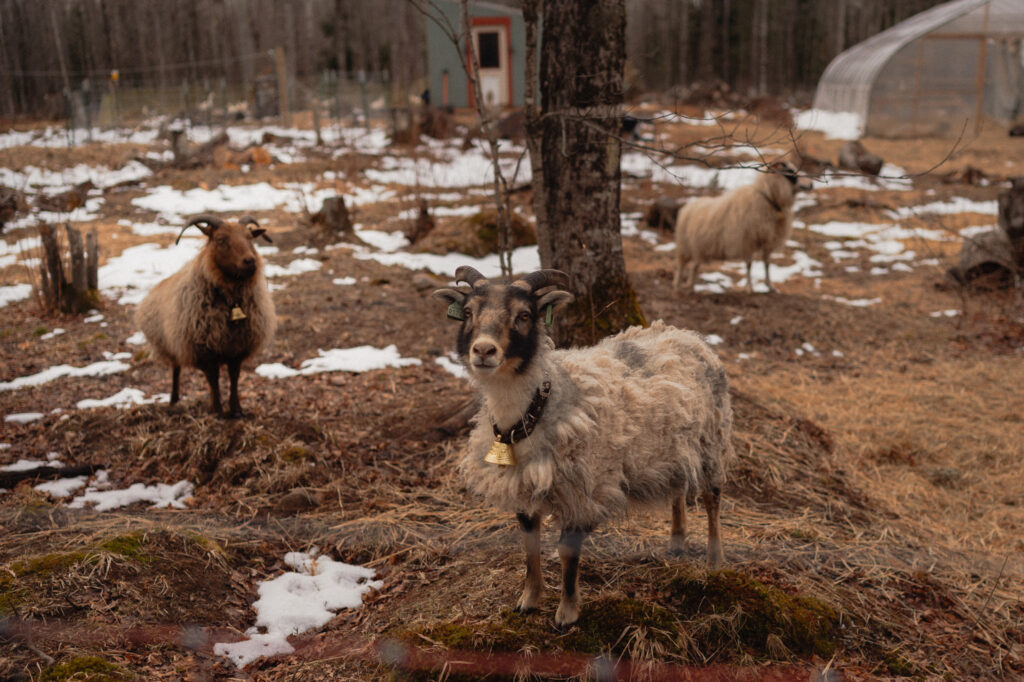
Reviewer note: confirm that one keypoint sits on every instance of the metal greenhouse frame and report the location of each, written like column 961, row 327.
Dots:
column 958, row 63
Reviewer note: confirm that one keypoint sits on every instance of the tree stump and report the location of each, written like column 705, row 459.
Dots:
column 1011, row 218
column 422, row 226
column 334, row 218
column 12, row 202
column 80, row 292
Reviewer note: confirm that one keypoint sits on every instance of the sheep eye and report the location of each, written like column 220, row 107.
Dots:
column 523, row 317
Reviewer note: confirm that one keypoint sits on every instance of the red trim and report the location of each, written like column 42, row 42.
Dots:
column 503, row 22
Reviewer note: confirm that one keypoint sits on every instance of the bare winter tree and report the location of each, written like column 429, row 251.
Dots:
column 575, row 151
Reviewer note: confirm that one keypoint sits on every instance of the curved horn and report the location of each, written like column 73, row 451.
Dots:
column 469, row 275
column 547, row 278
column 198, row 220
column 248, row 220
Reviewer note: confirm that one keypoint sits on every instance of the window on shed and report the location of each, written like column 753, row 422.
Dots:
column 487, row 47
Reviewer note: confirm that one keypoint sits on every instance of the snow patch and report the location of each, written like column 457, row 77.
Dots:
column 358, row 359
column 297, row 601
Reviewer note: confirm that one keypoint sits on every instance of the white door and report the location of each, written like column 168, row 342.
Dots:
column 492, row 50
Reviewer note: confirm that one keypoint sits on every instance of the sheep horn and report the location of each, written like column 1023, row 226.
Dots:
column 198, row 220
column 248, row 220
column 546, row 278
column 469, row 275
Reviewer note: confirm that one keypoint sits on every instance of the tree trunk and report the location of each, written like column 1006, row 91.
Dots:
column 577, row 137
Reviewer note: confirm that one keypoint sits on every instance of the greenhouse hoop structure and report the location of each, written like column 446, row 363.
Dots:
column 940, row 72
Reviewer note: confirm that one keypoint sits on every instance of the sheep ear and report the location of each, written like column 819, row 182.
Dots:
column 454, row 298
column 260, row 232
column 553, row 300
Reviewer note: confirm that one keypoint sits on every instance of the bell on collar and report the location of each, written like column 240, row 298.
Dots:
column 500, row 454
column 237, row 314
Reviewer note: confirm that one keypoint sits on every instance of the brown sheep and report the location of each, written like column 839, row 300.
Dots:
column 215, row 311
column 742, row 223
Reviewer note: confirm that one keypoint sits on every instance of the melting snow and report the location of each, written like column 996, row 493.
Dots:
column 22, row 417
column 358, row 359
column 524, row 259
column 296, row 267
column 159, row 495
column 16, row 292
column 837, row 125
column 124, row 398
column 96, row 369
column 298, row 601
column 451, row 364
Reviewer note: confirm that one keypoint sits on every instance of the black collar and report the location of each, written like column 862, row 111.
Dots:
column 524, row 427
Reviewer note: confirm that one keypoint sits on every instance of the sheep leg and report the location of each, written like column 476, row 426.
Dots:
column 530, row 527
column 767, row 273
column 694, row 266
column 234, row 406
column 175, row 384
column 569, row 545
column 711, row 500
column 750, row 278
column 212, row 372
column 678, row 540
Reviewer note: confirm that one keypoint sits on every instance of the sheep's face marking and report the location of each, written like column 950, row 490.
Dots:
column 500, row 333
column 234, row 252
column 502, row 325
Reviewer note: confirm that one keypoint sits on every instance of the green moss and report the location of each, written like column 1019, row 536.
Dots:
column 294, row 453
column 49, row 563
column 899, row 666
column 208, row 545
column 39, row 331
column 130, row 546
column 604, row 626
column 85, row 668
column 729, row 610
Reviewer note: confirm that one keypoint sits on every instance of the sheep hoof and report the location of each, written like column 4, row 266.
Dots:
column 235, row 414
column 521, row 610
column 566, row 616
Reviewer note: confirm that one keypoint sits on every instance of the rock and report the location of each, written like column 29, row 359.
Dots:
column 296, row 501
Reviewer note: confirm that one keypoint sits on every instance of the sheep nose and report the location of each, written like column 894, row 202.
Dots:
column 484, row 349
column 249, row 262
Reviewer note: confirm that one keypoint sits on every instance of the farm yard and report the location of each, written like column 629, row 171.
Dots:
column 873, row 526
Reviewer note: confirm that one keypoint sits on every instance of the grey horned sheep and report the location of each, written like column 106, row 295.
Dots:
column 215, row 311
column 586, row 434
column 743, row 223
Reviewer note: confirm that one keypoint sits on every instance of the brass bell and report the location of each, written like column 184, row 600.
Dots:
column 500, row 454
column 237, row 314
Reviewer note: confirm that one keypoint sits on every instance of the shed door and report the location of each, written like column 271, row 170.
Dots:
column 492, row 47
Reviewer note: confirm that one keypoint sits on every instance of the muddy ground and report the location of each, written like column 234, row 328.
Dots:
column 873, row 525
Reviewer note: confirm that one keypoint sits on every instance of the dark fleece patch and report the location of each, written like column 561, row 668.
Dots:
column 521, row 346
column 631, row 354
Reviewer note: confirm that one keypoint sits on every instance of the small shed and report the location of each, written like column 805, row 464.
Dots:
column 500, row 37
column 956, row 62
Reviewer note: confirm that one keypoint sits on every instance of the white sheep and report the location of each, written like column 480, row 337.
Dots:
column 745, row 222
column 585, row 434
column 215, row 310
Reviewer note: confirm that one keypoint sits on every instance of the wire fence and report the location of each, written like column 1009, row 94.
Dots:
column 116, row 100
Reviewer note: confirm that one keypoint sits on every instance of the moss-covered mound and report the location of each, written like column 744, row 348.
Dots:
column 85, row 669
column 731, row 611
column 477, row 235
column 144, row 568
column 689, row 617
